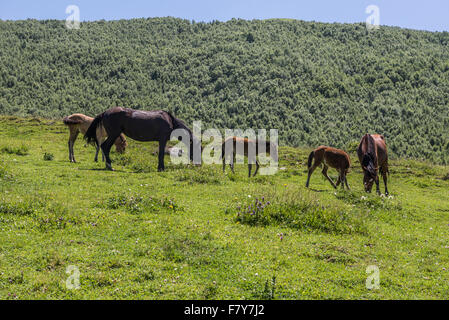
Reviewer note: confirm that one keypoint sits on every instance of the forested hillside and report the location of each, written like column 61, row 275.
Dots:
column 317, row 83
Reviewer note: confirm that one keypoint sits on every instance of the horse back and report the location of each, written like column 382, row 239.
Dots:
column 247, row 144
column 381, row 150
column 332, row 157
column 77, row 118
column 367, row 147
column 138, row 124
column 376, row 147
column 236, row 144
column 78, row 122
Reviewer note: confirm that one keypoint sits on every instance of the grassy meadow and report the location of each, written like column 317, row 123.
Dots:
column 195, row 233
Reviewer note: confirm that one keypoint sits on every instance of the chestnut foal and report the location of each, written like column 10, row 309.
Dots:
column 329, row 157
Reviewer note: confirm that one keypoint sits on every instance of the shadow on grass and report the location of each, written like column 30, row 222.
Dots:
column 316, row 190
column 104, row 169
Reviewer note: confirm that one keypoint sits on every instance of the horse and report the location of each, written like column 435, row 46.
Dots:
column 250, row 149
column 373, row 155
column 77, row 123
column 329, row 157
column 156, row 125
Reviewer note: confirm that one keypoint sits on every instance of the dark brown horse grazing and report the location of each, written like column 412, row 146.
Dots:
column 141, row 126
column 250, row 149
column 329, row 157
column 372, row 153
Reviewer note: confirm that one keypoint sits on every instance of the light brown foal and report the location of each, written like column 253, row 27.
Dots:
column 80, row 123
column 329, row 157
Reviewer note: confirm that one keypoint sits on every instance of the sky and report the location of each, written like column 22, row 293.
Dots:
column 431, row 15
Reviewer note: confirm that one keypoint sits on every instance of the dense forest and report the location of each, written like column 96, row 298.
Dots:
column 316, row 83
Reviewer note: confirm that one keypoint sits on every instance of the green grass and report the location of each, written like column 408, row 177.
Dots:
column 190, row 232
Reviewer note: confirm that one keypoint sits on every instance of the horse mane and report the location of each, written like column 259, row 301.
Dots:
column 369, row 158
column 371, row 145
column 91, row 133
column 179, row 124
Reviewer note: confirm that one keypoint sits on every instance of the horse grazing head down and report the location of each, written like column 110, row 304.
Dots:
column 367, row 153
column 370, row 172
column 121, row 144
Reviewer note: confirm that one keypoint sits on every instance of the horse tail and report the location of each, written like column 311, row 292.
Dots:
column 309, row 161
column 70, row 120
column 91, row 133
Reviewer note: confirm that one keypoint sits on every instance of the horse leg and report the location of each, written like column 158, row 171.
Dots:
column 161, row 154
column 96, row 152
column 106, row 148
column 311, row 169
column 99, row 140
column 384, row 177
column 342, row 179
column 102, row 153
column 339, row 180
column 232, row 163
column 224, row 162
column 346, row 181
column 377, row 185
column 225, row 156
column 70, row 150
column 324, row 172
column 97, row 143
column 257, row 167
column 73, row 136
column 250, row 166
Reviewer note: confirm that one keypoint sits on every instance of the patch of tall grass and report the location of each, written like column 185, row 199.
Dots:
column 21, row 150
column 295, row 210
column 136, row 204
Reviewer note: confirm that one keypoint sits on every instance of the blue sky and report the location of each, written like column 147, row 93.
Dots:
column 432, row 15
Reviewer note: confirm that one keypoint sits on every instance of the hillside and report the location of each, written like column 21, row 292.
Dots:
column 190, row 233
column 317, row 83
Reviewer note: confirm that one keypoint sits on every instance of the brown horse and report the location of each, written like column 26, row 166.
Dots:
column 80, row 123
column 250, row 149
column 373, row 155
column 139, row 125
column 329, row 157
